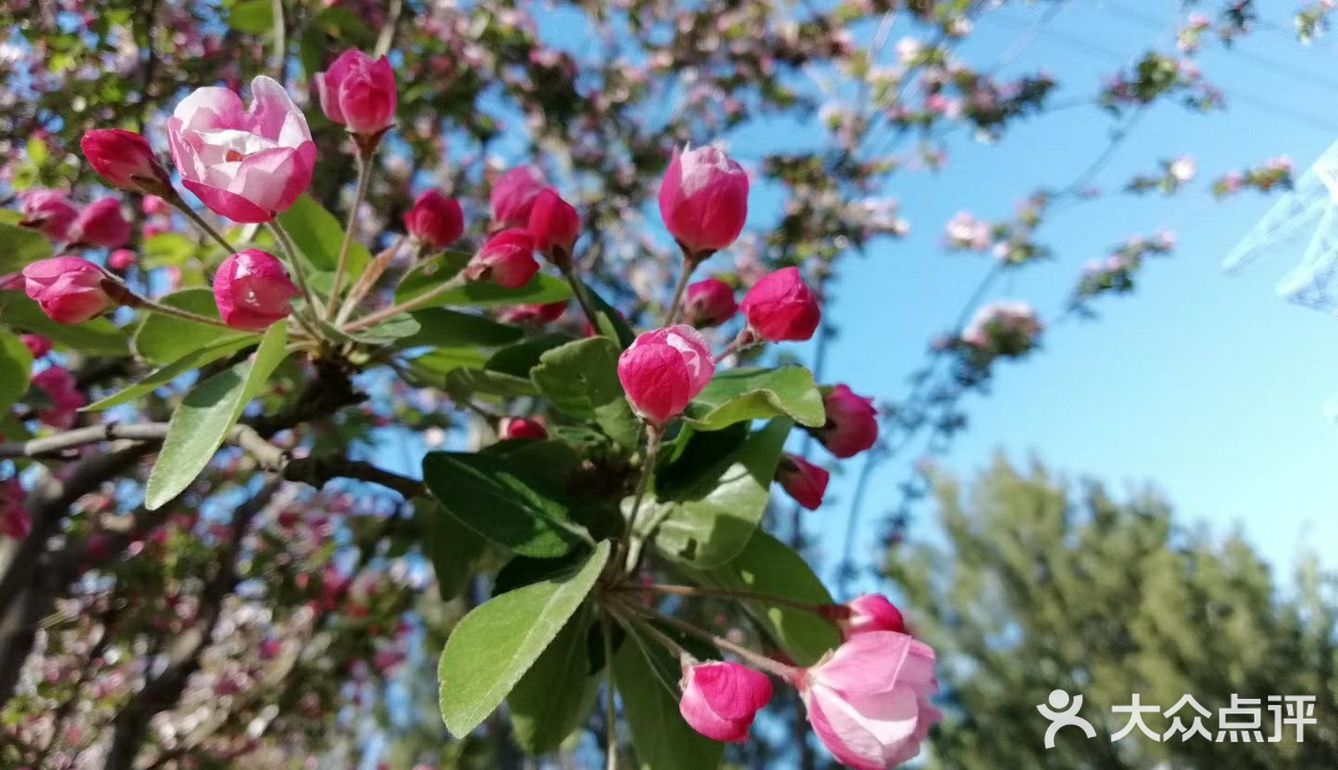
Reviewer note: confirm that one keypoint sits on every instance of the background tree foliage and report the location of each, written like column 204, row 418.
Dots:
column 1040, row 583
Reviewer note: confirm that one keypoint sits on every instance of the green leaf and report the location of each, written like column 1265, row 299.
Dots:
column 392, row 330
column 740, row 395
column 503, row 501
column 167, row 250
column 433, row 368
column 441, row 328
column 768, row 566
column 98, row 337
column 166, row 374
column 452, row 547
column 519, row 359
column 200, row 425
column 318, row 236
column 462, row 383
column 163, row 339
column 20, row 247
column 553, row 461
column 554, row 697
column 16, row 365
column 254, row 17
column 496, row 643
column 662, row 739
column 581, row 379
column 611, row 322
column 541, row 290
column 712, row 515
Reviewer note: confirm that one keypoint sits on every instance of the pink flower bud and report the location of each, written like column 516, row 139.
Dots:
column 871, row 613
column 521, row 428
column 70, row 290
column 555, row 226
column 436, row 220
column 665, row 369
column 852, row 422
column 48, row 211
column 358, row 92
column 781, row 307
column 868, row 701
column 14, row 519
column 513, row 196
column 61, row 390
column 709, row 302
column 100, row 224
column 704, row 200
column 507, row 259
column 252, row 290
column 536, row 315
column 125, row 160
column 37, row 345
column 720, row 699
column 802, row 480
column 121, row 260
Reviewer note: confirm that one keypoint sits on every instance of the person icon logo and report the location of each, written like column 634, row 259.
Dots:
column 1062, row 712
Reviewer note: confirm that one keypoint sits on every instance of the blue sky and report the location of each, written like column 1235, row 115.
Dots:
column 1205, row 384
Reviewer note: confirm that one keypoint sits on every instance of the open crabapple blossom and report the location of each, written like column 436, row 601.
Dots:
column 665, row 369
column 852, row 422
column 782, row 307
column 721, row 698
column 70, row 290
column 252, row 290
column 245, row 163
column 868, row 701
column 513, row 195
column 703, row 200
column 101, row 224
column 709, row 302
column 435, row 220
column 358, row 92
column 802, row 480
column 48, row 211
column 506, row 259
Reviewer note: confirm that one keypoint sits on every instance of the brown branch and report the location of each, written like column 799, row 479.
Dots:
column 162, row 692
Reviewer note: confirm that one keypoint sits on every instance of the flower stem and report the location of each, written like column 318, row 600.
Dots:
column 367, row 280
column 654, row 438
column 582, row 298
column 290, row 250
column 676, row 304
column 610, row 692
column 746, row 339
column 770, row 665
column 422, row 300
column 200, row 222
column 364, row 154
column 185, row 315
column 729, row 593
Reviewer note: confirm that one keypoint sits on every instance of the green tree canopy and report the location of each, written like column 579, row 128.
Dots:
column 1041, row 584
